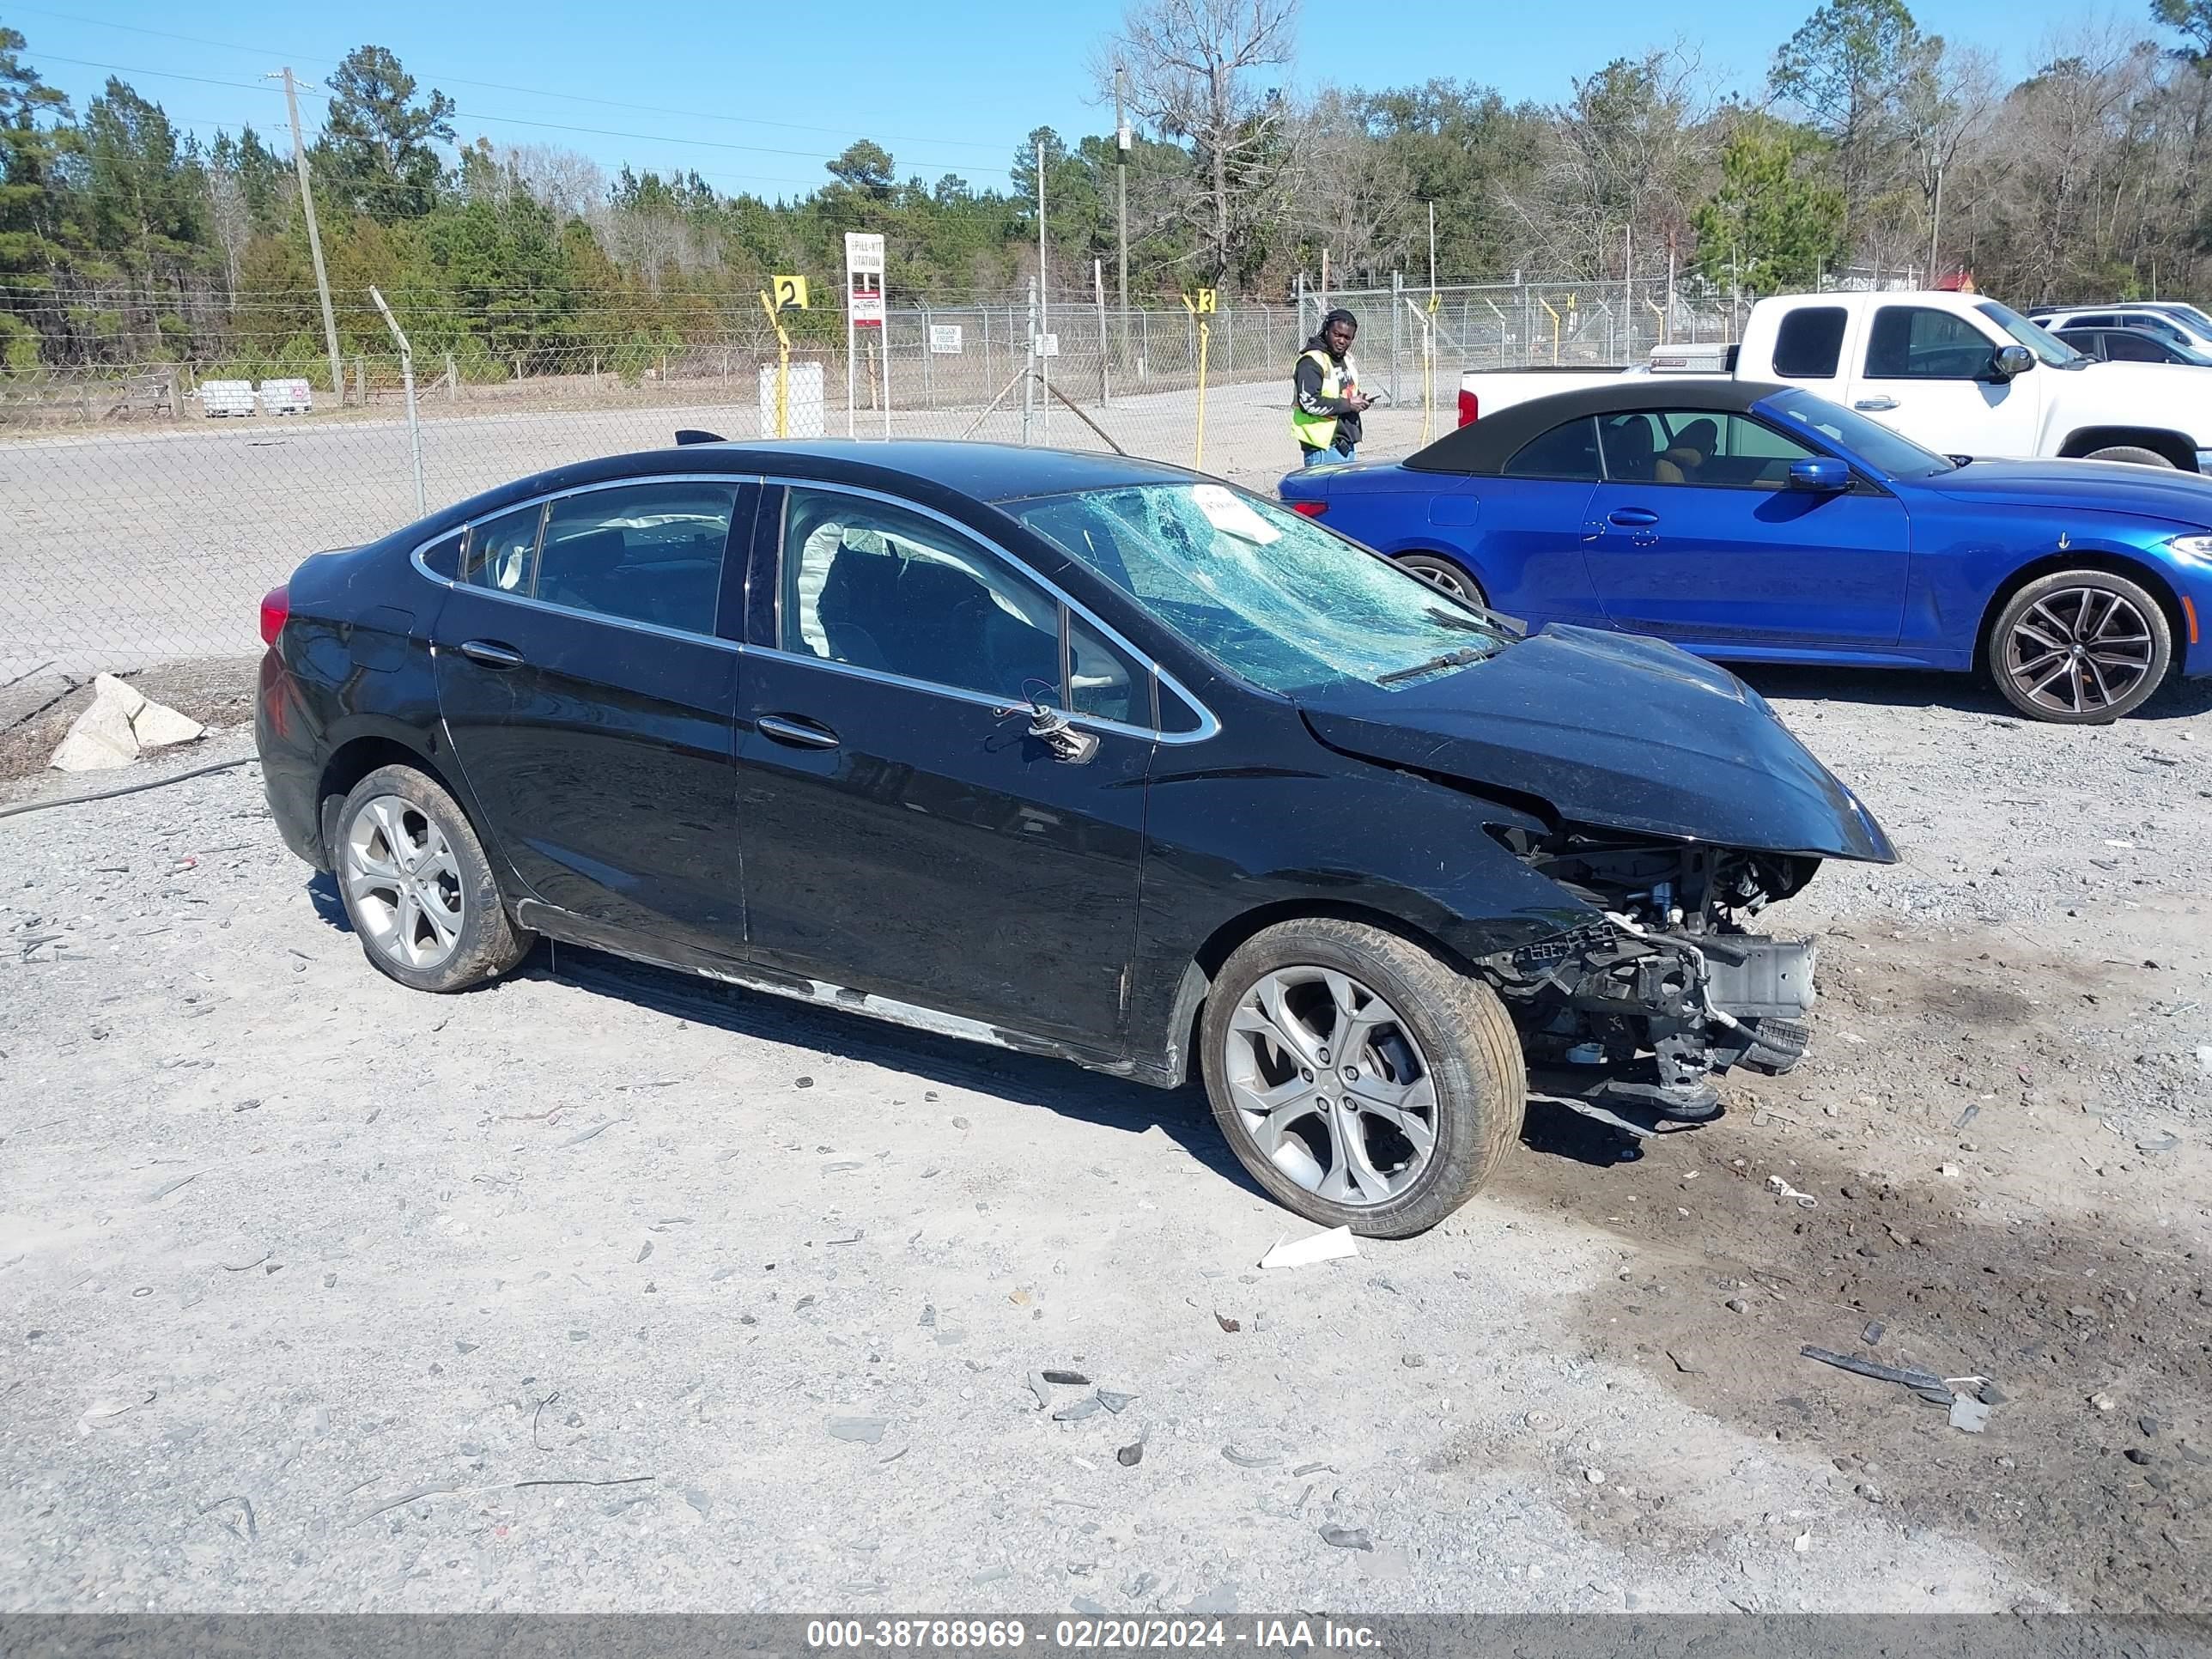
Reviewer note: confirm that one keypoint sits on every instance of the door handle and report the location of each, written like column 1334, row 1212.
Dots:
column 491, row 653
column 1632, row 517
column 800, row 733
column 1875, row 404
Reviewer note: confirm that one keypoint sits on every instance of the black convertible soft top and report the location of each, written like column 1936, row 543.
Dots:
column 1485, row 447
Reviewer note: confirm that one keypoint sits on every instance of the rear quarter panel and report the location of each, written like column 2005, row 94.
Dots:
column 353, row 662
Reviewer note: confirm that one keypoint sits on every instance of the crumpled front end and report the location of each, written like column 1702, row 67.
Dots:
column 1646, row 1008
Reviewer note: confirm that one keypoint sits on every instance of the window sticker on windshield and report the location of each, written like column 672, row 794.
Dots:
column 1231, row 516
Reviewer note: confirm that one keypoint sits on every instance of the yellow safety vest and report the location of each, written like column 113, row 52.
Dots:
column 1317, row 431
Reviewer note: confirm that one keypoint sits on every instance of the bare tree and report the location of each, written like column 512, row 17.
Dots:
column 1349, row 189
column 569, row 183
column 1945, row 101
column 1624, row 155
column 232, row 222
column 1194, row 70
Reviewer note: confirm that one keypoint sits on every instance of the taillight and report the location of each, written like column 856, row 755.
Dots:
column 1470, row 407
column 1309, row 509
column 275, row 608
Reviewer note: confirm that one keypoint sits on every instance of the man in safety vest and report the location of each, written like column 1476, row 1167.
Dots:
column 1325, row 401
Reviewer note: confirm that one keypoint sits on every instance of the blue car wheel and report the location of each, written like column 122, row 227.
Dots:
column 1440, row 572
column 2079, row 647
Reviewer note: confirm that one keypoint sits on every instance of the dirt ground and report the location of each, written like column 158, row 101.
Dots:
column 606, row 1289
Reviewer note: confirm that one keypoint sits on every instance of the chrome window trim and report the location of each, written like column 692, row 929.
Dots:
column 1208, row 725
column 984, row 699
column 545, row 503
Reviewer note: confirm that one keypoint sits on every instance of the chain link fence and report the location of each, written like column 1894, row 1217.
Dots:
column 140, row 523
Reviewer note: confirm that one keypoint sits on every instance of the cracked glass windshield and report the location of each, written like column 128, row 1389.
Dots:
column 1269, row 596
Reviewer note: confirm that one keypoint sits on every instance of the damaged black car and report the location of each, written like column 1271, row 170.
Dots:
column 1076, row 755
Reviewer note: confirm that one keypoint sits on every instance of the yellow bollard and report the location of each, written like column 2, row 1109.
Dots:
column 1198, row 459
column 782, row 368
column 1201, row 308
column 1546, row 304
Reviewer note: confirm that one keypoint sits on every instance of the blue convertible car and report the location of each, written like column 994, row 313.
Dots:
column 1759, row 523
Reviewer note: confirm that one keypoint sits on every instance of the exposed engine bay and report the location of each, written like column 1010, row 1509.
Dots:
column 1670, row 989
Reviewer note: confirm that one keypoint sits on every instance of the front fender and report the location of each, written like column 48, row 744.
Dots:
column 1370, row 841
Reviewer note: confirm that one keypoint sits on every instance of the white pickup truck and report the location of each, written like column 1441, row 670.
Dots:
column 1961, row 375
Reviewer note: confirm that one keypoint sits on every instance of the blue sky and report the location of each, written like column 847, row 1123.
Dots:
column 756, row 96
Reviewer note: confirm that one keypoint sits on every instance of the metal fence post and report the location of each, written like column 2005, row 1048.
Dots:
column 1397, row 284
column 407, row 379
column 928, row 382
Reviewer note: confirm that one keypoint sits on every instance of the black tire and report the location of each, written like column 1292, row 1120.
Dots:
column 1441, row 571
column 2133, row 454
column 2128, row 634
column 1471, row 1052
column 486, row 943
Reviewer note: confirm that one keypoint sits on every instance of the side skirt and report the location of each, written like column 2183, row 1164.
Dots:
column 570, row 928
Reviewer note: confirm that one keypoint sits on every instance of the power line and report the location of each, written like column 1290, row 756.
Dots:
column 482, row 115
column 532, row 92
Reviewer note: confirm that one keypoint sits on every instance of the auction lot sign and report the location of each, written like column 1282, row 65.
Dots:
column 863, row 309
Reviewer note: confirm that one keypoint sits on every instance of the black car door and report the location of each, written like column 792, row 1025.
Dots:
column 906, row 834
column 591, row 703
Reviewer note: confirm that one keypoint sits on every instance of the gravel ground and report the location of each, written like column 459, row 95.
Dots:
column 568, row 1293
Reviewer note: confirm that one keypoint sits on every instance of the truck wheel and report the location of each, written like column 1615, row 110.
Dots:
column 2133, row 454
column 2080, row 647
column 1364, row 1082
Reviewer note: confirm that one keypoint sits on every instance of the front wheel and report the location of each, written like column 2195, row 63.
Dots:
column 2079, row 647
column 1364, row 1082
column 1442, row 573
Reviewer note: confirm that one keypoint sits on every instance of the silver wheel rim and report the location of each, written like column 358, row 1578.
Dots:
column 1437, row 573
column 403, row 883
column 2079, row 650
column 1330, row 1085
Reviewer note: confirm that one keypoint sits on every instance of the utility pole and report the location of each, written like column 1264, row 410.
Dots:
column 1936, row 230
column 1432, row 257
column 1044, row 298
column 1122, row 209
column 315, row 238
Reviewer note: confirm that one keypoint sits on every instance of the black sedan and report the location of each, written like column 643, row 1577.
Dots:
column 1081, row 756
column 2133, row 345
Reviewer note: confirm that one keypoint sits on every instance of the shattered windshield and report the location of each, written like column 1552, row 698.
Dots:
column 1269, row 596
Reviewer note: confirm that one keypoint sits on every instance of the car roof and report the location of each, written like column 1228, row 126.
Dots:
column 1486, row 445
column 987, row 472
column 938, row 472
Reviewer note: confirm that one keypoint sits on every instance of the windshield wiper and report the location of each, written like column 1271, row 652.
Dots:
column 1459, row 659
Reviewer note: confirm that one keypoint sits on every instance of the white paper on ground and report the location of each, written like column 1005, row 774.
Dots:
column 1330, row 1246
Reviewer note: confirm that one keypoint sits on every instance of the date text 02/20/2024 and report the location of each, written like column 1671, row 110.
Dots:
column 1087, row 1635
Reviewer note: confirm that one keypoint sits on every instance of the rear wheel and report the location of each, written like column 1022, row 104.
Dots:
column 1440, row 572
column 1364, row 1082
column 2079, row 647
column 2133, row 454
column 418, row 887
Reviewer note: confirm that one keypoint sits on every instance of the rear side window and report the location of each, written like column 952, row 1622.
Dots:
column 500, row 551
column 648, row 552
column 2123, row 347
column 1918, row 342
column 1566, row 452
column 1810, row 345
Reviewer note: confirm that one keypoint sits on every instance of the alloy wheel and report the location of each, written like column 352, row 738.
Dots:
column 2078, row 650
column 1440, row 573
column 1331, row 1085
column 405, row 882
